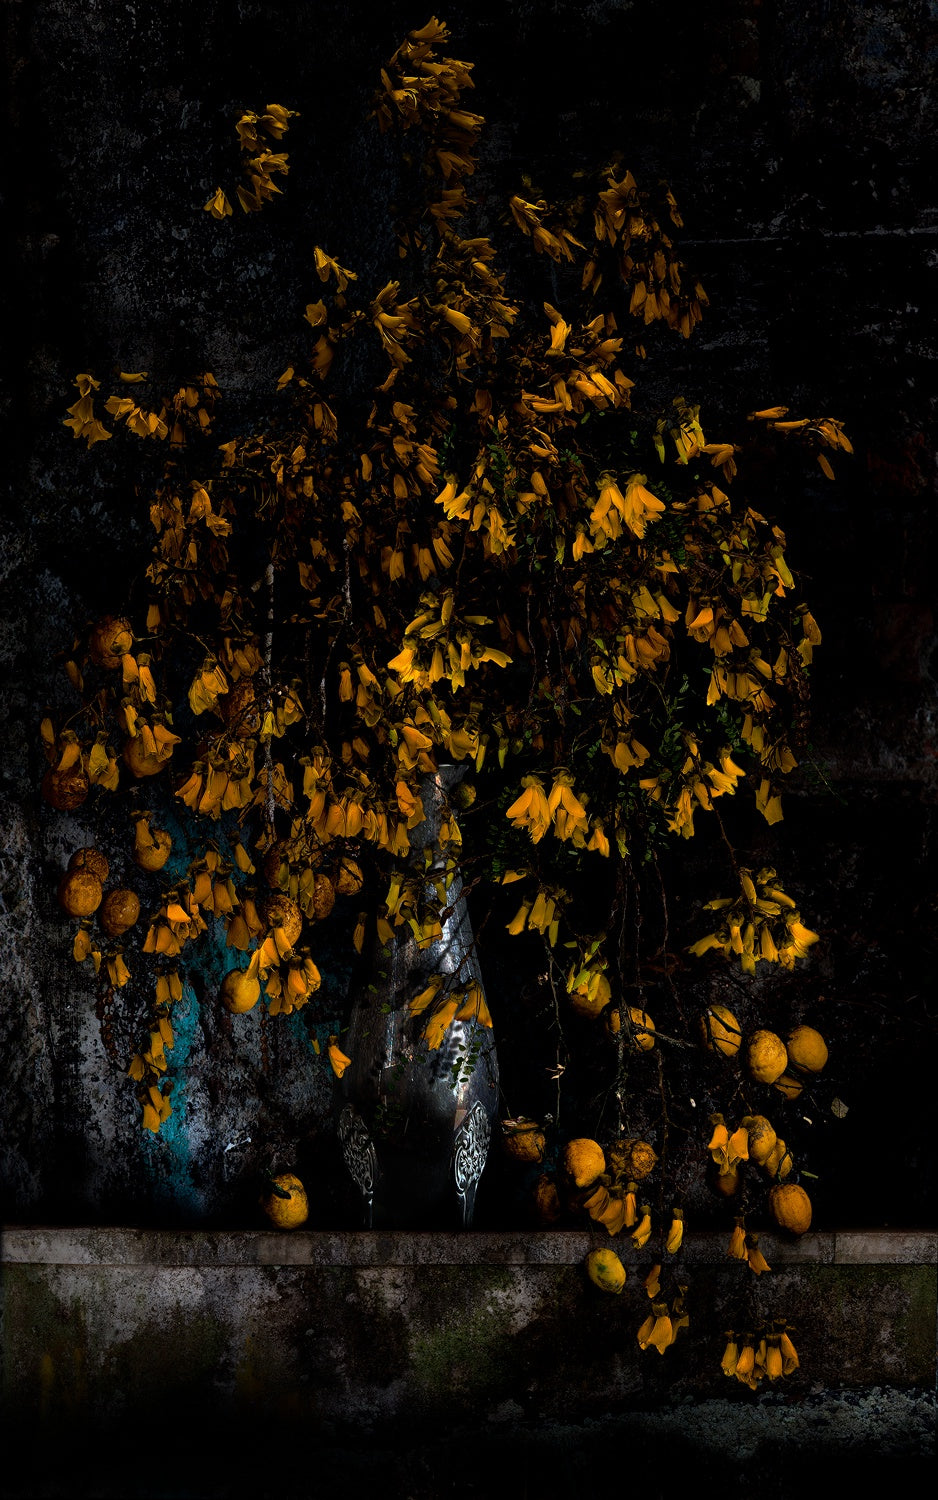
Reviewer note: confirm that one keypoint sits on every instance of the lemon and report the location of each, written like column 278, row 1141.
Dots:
column 640, row 1032
column 65, row 790
column 140, row 760
column 632, row 1158
column 790, row 1207
column 80, row 893
column 720, row 1030
column 524, row 1140
column 762, row 1138
column 807, row 1049
column 323, row 898
column 286, row 1212
column 583, row 1160
column 119, row 912
column 110, row 640
column 779, row 1163
column 592, row 1005
column 350, row 878
column 605, row 1270
column 152, row 846
column 281, row 912
column 546, row 1201
column 788, row 1085
column 90, row 859
column 238, row 708
column 766, row 1056
column 240, row 991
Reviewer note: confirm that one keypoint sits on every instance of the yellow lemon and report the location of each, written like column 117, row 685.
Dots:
column 766, row 1056
column 546, row 1201
column 641, row 1029
column 140, row 760
column 110, row 640
column 152, row 846
column 119, row 912
column 240, row 991
column 90, row 859
column 350, row 878
column 779, row 1163
column 790, row 1207
column 524, row 1140
column 288, row 1208
column 788, row 1085
column 807, row 1049
column 80, row 893
column 762, row 1138
column 65, row 790
column 605, row 1270
column 720, row 1030
column 281, row 912
column 583, row 1160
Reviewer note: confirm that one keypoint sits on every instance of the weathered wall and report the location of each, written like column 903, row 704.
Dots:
column 798, row 142
column 312, row 1347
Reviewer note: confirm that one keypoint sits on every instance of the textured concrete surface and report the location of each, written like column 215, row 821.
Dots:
column 35, row 1246
column 358, row 1334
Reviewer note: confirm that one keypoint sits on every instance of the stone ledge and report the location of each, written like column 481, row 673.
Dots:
column 25, row 1245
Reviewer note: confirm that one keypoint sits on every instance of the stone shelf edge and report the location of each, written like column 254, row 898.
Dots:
column 102, row 1246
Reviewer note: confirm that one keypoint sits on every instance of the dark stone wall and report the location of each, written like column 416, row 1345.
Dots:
column 799, row 140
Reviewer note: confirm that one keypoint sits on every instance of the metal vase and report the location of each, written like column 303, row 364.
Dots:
column 414, row 1125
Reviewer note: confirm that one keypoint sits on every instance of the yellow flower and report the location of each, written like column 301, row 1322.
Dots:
column 337, row 1059
column 630, row 1205
column 642, row 1233
column 676, row 1232
column 737, row 1244
column 662, row 1331
column 790, row 1360
column 757, row 1261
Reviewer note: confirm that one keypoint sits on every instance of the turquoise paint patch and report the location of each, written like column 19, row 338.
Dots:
column 168, row 1155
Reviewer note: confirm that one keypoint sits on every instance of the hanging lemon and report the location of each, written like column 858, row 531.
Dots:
column 720, row 1030
column 110, row 641
column 240, row 991
column 766, row 1056
column 90, row 859
column 546, row 1201
column 119, row 912
column 790, row 1207
column 286, row 1204
column 605, row 1270
column 281, row 912
column 807, row 1049
column 152, row 846
column 523, row 1139
column 583, row 1161
column 65, row 790
column 141, row 761
column 762, row 1138
column 640, row 1032
column 80, row 893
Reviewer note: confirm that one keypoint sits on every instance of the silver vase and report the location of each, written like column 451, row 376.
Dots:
column 414, row 1124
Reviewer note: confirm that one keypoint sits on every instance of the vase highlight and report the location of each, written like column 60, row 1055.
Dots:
column 415, row 1122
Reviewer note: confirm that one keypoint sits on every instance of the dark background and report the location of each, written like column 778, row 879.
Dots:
column 800, row 143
